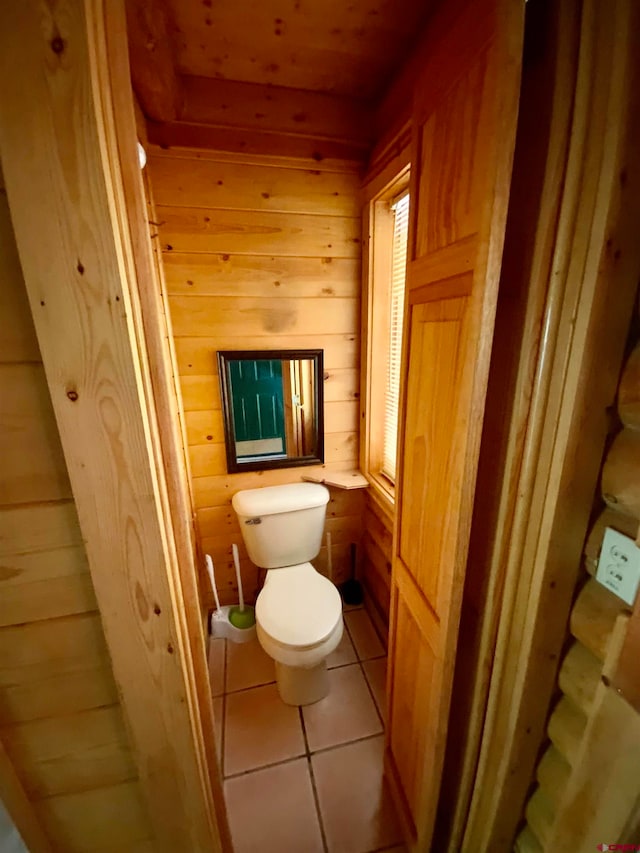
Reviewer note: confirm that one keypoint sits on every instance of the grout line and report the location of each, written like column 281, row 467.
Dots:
column 316, row 799
column 385, row 645
column 343, row 665
column 306, row 754
column 360, row 663
column 346, row 628
column 252, row 687
column 383, row 641
column 266, row 766
column 317, row 802
column 346, row 743
column 371, row 693
column 329, row 669
column 307, row 751
column 224, row 710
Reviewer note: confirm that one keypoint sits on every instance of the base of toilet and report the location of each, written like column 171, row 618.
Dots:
column 298, row 686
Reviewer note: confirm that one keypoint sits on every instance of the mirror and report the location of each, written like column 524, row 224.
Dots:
column 273, row 408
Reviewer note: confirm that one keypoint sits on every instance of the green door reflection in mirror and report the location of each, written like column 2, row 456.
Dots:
column 257, row 397
column 273, row 408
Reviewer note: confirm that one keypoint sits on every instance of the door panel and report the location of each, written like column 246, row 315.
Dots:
column 453, row 152
column 258, row 403
column 464, row 121
column 410, row 701
column 429, row 463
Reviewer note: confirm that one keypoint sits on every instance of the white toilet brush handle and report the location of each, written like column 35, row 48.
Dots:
column 236, row 560
column 212, row 578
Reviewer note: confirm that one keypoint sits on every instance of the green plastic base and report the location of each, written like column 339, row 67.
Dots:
column 242, row 618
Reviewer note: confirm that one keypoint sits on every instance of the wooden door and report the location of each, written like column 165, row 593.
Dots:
column 464, row 122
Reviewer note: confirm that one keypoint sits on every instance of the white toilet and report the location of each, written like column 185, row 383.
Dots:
column 298, row 611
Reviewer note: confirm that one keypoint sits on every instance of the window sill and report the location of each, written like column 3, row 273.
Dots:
column 384, row 493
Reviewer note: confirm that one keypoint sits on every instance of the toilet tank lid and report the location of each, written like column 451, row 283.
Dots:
column 270, row 500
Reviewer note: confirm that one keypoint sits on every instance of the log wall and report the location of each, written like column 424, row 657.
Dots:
column 61, row 723
column 260, row 252
column 579, row 707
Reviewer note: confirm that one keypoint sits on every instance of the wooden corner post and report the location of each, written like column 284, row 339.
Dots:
column 81, row 267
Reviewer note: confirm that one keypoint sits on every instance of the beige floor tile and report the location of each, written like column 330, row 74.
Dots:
column 259, row 729
column 218, row 722
column 345, row 653
column 216, row 666
column 248, row 665
column 347, row 713
column 367, row 642
column 355, row 804
column 273, row 811
column 376, row 674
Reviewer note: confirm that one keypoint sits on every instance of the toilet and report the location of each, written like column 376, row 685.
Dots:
column 298, row 611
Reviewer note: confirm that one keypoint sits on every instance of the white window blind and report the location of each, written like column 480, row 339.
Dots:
column 392, row 389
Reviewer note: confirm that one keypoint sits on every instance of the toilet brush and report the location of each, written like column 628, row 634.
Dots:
column 217, row 613
column 241, row 616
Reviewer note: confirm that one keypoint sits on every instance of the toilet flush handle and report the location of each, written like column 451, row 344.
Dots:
column 253, row 521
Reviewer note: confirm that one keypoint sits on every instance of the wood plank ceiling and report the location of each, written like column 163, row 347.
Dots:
column 332, row 46
column 291, row 77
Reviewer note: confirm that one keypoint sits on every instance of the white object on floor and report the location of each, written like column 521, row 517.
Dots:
column 212, row 579
column 222, row 627
column 220, row 624
column 298, row 611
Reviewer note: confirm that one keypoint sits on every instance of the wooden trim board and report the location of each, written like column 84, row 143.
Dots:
column 71, row 222
column 595, row 272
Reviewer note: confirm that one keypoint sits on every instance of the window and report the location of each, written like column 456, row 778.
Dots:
column 392, row 390
column 388, row 218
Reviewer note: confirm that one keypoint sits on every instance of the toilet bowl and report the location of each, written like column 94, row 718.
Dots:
column 299, row 623
column 298, row 611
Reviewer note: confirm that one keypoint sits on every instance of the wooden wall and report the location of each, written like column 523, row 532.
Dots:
column 375, row 567
column 260, row 252
column 60, row 718
column 557, row 816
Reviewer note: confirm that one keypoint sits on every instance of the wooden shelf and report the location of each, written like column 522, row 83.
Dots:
column 339, row 479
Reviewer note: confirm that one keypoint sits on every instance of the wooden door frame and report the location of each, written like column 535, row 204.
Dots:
column 590, row 286
column 68, row 145
column 547, row 94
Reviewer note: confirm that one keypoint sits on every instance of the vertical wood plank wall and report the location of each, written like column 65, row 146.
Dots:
column 60, row 718
column 260, row 252
column 591, row 627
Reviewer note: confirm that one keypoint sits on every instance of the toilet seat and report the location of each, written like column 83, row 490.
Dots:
column 308, row 657
column 298, row 607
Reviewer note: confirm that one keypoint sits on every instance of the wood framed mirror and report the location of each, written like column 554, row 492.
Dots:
column 272, row 404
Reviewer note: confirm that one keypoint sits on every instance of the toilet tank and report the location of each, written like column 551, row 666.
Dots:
column 282, row 525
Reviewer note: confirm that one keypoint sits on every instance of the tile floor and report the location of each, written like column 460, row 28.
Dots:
column 301, row 780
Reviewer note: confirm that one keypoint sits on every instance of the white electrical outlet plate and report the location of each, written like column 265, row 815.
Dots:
column 619, row 565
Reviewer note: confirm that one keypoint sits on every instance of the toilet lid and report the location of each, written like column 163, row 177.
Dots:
column 297, row 606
